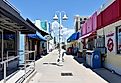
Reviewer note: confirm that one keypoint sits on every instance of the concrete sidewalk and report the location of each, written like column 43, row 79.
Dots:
column 106, row 74
column 49, row 72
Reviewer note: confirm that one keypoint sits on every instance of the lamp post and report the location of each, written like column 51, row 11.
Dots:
column 60, row 26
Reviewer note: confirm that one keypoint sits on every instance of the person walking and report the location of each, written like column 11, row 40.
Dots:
column 75, row 49
column 63, row 52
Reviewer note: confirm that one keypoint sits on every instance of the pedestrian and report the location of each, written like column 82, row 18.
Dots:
column 75, row 49
column 63, row 51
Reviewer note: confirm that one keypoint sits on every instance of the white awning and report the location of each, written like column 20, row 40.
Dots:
column 85, row 35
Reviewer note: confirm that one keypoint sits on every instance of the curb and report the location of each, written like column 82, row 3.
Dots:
column 29, row 77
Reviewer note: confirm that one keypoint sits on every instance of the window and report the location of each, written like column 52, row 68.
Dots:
column 80, row 19
column 100, row 42
column 118, row 35
column 91, row 44
column 85, row 18
column 76, row 26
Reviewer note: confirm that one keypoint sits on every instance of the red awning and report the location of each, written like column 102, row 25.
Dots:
column 89, row 35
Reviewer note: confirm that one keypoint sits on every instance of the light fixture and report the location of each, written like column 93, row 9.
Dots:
column 55, row 17
column 65, row 17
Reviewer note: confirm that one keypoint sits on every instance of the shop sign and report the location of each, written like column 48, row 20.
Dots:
column 110, row 44
column 110, row 39
column 109, row 35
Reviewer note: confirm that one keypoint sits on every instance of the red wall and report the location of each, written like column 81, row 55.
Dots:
column 109, row 15
column 119, row 6
column 94, row 21
column 99, row 21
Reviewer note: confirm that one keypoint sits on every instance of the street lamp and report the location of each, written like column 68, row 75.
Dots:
column 60, row 26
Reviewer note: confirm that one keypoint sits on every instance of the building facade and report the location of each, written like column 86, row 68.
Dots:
column 102, row 30
column 11, row 24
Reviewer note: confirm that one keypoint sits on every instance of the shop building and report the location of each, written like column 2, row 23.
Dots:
column 109, row 23
column 33, row 42
column 89, row 32
column 11, row 24
column 102, row 31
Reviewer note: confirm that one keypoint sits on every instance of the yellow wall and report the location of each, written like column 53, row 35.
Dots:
column 113, row 60
column 70, row 44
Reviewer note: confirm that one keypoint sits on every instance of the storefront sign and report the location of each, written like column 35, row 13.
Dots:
column 109, row 35
column 110, row 44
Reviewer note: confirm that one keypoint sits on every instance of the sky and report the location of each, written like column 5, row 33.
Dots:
column 46, row 9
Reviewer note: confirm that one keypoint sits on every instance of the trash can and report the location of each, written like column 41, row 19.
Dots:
column 89, row 56
column 93, row 59
column 96, row 60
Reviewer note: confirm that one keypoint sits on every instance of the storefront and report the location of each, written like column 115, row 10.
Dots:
column 89, row 33
column 109, row 27
column 112, row 43
column 37, row 43
column 31, row 42
column 72, row 43
column 11, row 24
column 8, row 43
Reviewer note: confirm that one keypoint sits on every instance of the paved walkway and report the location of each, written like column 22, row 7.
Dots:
column 49, row 72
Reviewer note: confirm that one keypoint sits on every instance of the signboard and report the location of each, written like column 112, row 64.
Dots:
column 110, row 42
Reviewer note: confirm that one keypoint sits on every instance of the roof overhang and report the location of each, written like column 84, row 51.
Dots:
column 40, row 31
column 12, row 19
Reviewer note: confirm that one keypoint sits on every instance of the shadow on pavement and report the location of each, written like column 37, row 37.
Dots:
column 102, row 72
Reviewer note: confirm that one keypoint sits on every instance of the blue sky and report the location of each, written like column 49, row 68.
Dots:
column 45, row 9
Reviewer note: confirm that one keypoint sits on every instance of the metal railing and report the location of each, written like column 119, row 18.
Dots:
column 5, row 63
column 25, row 61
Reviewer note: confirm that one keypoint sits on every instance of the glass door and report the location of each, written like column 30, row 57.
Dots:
column 1, row 45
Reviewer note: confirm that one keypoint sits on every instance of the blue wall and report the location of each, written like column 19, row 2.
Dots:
column 21, row 47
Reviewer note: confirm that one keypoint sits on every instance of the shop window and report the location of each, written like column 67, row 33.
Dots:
column 91, row 44
column 10, row 43
column 79, row 45
column 100, row 42
column 85, row 19
column 118, row 36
